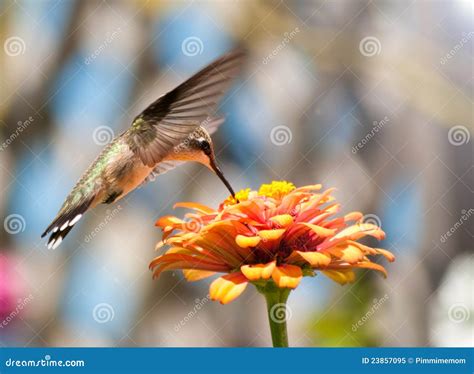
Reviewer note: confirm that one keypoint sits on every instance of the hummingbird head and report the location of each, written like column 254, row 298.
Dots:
column 202, row 148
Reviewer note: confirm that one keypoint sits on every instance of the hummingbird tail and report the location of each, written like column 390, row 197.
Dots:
column 64, row 222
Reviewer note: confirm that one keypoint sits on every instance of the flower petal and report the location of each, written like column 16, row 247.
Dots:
column 320, row 231
column 271, row 234
column 247, row 241
column 387, row 254
column 193, row 275
column 168, row 224
column 340, row 276
column 293, row 203
column 352, row 254
column 168, row 221
column 374, row 251
column 183, row 261
column 319, row 199
column 227, row 288
column 360, row 230
column 346, row 252
column 353, row 216
column 311, row 187
column 287, row 276
column 253, row 209
column 258, row 271
column 219, row 246
column 196, row 206
column 282, row 220
column 371, row 265
column 315, row 259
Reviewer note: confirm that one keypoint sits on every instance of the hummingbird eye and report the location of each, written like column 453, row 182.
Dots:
column 205, row 147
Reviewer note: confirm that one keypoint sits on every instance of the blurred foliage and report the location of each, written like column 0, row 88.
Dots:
column 332, row 326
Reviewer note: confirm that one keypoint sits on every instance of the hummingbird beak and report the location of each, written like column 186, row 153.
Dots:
column 215, row 168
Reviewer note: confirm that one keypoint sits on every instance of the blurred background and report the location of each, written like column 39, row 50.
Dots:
column 374, row 98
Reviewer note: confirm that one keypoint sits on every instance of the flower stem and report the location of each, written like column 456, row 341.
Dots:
column 277, row 312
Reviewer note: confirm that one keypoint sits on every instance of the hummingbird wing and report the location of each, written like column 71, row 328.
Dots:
column 164, row 166
column 161, row 168
column 170, row 119
column 212, row 125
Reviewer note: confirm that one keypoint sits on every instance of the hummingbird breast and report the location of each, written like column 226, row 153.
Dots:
column 132, row 177
column 124, row 171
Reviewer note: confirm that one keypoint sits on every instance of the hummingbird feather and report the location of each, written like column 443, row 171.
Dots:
column 212, row 125
column 170, row 119
column 161, row 168
column 81, row 197
column 165, row 166
column 65, row 220
column 157, row 141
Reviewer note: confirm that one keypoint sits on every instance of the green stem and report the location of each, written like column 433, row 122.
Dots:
column 277, row 311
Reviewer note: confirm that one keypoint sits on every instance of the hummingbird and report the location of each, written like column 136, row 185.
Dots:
column 172, row 130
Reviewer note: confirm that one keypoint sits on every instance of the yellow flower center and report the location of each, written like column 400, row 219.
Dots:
column 242, row 195
column 276, row 189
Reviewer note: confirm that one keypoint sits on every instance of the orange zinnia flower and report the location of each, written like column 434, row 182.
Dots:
column 278, row 234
